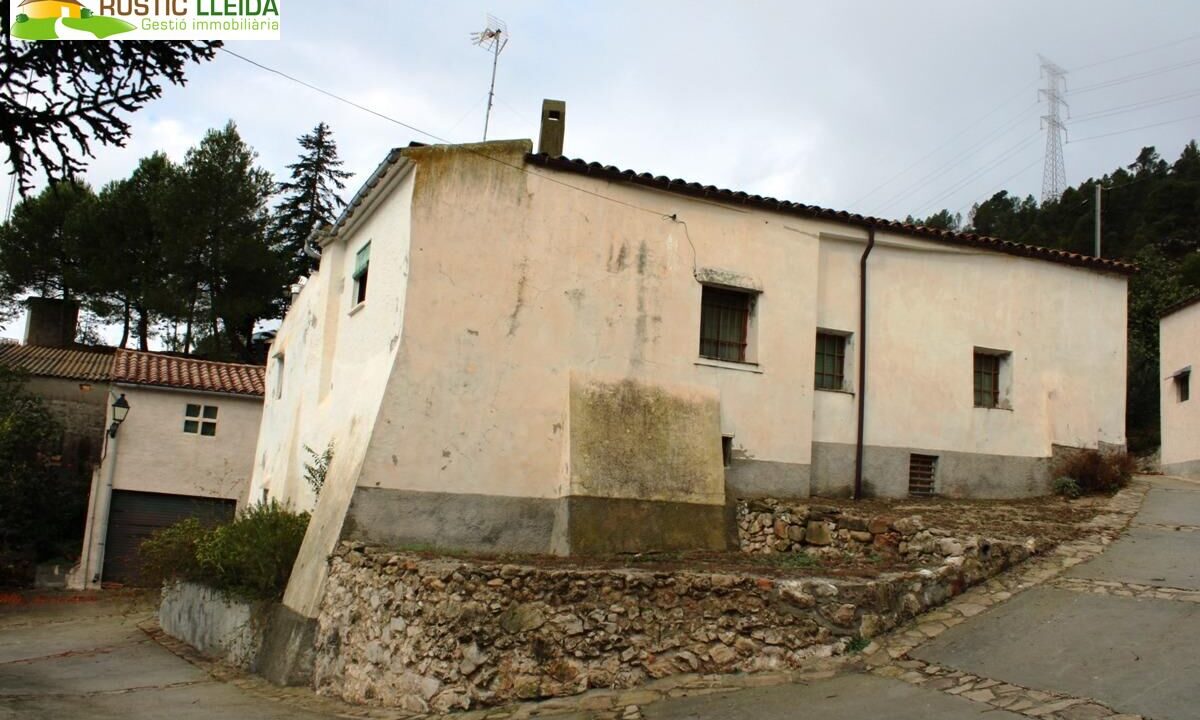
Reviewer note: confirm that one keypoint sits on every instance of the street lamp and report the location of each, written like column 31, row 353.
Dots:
column 120, row 410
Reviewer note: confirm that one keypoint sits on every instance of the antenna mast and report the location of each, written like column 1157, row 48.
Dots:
column 1054, row 173
column 493, row 38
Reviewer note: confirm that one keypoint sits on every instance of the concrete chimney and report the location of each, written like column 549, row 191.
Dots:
column 51, row 322
column 554, row 127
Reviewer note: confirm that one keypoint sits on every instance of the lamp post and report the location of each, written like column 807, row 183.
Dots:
column 103, row 500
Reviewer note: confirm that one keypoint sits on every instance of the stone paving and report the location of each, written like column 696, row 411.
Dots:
column 885, row 657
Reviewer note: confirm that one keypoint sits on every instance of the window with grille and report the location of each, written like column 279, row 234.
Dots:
column 200, row 420
column 724, row 323
column 989, row 380
column 831, row 361
column 922, row 470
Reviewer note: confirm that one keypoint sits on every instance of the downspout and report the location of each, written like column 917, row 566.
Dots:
column 862, row 362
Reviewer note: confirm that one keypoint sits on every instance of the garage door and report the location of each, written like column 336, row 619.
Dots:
column 136, row 515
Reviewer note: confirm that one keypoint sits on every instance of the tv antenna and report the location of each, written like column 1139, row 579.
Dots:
column 492, row 38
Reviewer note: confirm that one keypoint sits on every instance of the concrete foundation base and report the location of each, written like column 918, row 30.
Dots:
column 1188, row 469
column 611, row 525
column 286, row 657
column 762, row 478
column 959, row 474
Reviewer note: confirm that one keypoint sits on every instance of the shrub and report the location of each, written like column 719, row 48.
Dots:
column 85, row 13
column 315, row 472
column 1095, row 471
column 170, row 553
column 1066, row 487
column 251, row 557
column 22, row 17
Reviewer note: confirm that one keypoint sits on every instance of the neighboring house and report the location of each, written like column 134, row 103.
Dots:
column 520, row 352
column 1179, row 352
column 185, row 449
column 37, row 9
column 73, row 383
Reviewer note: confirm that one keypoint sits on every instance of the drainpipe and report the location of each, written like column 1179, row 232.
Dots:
column 862, row 362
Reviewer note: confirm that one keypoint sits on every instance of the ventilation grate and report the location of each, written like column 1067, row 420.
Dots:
column 921, row 472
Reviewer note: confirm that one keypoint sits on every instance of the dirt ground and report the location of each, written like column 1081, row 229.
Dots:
column 1048, row 518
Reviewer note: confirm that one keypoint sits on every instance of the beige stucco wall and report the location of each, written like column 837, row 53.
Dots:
column 930, row 306
column 1179, row 347
column 155, row 455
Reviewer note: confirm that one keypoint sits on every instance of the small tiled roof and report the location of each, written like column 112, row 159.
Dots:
column 158, row 369
column 1185, row 303
column 79, row 362
column 715, row 194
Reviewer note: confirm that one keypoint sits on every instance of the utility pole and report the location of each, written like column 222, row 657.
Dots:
column 1099, row 194
column 1054, row 172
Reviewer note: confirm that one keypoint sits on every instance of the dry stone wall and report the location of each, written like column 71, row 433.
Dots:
column 424, row 633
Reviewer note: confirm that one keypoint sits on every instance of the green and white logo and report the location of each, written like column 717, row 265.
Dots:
column 146, row 20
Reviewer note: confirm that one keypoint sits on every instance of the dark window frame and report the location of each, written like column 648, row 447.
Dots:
column 1183, row 386
column 987, row 367
column 830, row 364
column 199, row 419
column 725, row 315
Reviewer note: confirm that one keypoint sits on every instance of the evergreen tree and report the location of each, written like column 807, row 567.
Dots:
column 227, row 273
column 41, row 247
column 56, row 98
column 310, row 197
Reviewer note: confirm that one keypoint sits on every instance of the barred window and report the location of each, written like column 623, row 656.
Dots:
column 831, row 361
column 987, row 380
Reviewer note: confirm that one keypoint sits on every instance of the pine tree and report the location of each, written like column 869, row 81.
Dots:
column 310, row 197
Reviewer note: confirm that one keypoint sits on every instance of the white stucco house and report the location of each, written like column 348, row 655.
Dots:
column 184, row 448
column 1179, row 351
column 522, row 352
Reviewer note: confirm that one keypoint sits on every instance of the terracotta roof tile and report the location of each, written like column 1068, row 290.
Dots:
column 710, row 192
column 143, row 368
column 80, row 362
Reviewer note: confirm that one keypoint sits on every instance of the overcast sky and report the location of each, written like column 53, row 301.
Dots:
column 816, row 102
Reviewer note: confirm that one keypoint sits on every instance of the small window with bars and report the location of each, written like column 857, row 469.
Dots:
column 725, row 324
column 831, row 361
column 989, row 368
column 922, row 473
column 200, row 420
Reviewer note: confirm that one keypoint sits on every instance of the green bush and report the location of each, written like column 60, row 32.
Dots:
column 170, row 554
column 251, row 557
column 85, row 13
column 22, row 17
column 1066, row 487
column 1095, row 471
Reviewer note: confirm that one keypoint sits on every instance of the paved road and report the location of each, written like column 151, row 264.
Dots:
column 1136, row 655
column 90, row 660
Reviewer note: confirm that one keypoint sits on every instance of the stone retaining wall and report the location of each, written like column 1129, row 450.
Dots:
column 437, row 634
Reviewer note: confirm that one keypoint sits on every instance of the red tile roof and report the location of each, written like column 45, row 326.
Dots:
column 79, row 362
column 144, row 368
column 715, row 194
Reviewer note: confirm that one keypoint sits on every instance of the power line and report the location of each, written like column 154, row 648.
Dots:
column 1137, row 52
column 426, row 133
column 976, row 174
column 1001, row 185
column 1134, row 129
column 1133, row 107
column 1135, row 76
column 940, row 171
column 946, row 144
